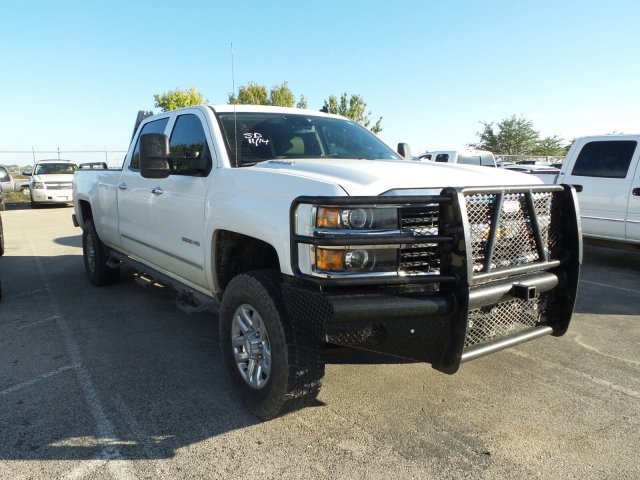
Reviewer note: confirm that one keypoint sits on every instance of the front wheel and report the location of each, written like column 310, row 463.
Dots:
column 274, row 368
column 96, row 257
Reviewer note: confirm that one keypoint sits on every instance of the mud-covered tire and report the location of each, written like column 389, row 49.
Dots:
column 296, row 365
column 95, row 258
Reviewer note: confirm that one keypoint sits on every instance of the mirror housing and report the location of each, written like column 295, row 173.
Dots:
column 154, row 155
column 404, row 150
column 27, row 173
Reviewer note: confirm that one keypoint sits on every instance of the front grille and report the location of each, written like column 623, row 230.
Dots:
column 57, row 186
column 421, row 258
column 514, row 240
column 494, row 321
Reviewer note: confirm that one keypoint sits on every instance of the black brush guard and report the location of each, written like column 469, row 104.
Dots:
column 507, row 259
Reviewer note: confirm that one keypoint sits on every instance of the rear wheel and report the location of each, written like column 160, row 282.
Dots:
column 95, row 258
column 274, row 368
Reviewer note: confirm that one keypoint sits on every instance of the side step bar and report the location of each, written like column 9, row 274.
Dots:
column 188, row 300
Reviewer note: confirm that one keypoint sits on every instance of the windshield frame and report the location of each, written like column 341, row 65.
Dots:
column 316, row 136
column 39, row 166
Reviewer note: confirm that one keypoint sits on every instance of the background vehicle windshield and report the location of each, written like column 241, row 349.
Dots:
column 54, row 168
column 258, row 136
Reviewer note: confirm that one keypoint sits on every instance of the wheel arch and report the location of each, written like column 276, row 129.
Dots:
column 235, row 253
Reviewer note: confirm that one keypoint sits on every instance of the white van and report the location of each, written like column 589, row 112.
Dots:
column 465, row 157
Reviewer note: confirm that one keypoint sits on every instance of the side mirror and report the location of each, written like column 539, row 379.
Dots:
column 27, row 173
column 404, row 151
column 154, row 155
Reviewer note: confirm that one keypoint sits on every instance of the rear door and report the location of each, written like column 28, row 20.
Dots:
column 603, row 176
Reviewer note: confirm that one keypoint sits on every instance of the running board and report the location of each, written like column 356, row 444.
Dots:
column 189, row 300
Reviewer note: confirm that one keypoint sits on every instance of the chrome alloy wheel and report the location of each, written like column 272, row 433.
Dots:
column 251, row 348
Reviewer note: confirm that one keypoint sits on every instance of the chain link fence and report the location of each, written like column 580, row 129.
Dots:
column 26, row 158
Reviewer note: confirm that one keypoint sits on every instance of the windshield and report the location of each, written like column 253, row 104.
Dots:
column 258, row 136
column 54, row 168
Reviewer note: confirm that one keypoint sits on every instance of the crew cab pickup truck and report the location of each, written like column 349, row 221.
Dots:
column 8, row 184
column 304, row 229
column 605, row 171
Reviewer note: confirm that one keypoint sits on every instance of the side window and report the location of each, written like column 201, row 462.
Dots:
column 442, row 157
column 4, row 175
column 469, row 159
column 607, row 159
column 157, row 126
column 190, row 153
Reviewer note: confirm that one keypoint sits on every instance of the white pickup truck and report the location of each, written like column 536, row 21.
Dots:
column 8, row 184
column 605, row 171
column 303, row 228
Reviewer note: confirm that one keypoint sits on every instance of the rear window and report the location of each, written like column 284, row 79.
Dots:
column 606, row 159
column 442, row 157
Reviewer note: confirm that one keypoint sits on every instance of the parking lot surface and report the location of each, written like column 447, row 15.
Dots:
column 116, row 382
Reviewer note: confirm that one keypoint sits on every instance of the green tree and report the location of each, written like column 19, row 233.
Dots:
column 511, row 136
column 256, row 94
column 550, row 146
column 178, row 98
column 251, row 94
column 282, row 96
column 353, row 107
column 302, row 103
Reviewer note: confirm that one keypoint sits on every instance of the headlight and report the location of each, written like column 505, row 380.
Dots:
column 357, row 218
column 356, row 260
column 37, row 185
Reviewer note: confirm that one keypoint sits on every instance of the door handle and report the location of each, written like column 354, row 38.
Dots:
column 636, row 192
column 577, row 187
column 157, row 191
column 122, row 186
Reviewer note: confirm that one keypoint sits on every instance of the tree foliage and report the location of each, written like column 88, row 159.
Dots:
column 353, row 107
column 178, row 98
column 516, row 136
column 256, row 94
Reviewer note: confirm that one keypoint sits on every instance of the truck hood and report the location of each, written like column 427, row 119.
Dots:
column 396, row 177
column 54, row 178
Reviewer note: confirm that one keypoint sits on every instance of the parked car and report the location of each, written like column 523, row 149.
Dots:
column 465, row 157
column 8, row 183
column 51, row 182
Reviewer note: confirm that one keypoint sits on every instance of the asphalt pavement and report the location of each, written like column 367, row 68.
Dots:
column 116, row 382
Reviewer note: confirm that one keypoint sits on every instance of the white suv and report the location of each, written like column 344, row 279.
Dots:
column 50, row 182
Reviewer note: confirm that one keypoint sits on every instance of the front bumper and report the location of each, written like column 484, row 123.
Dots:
column 45, row 196
column 487, row 296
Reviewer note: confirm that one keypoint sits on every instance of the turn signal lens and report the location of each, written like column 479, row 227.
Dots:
column 328, row 217
column 330, row 260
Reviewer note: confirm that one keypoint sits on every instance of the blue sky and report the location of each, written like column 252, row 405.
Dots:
column 74, row 73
